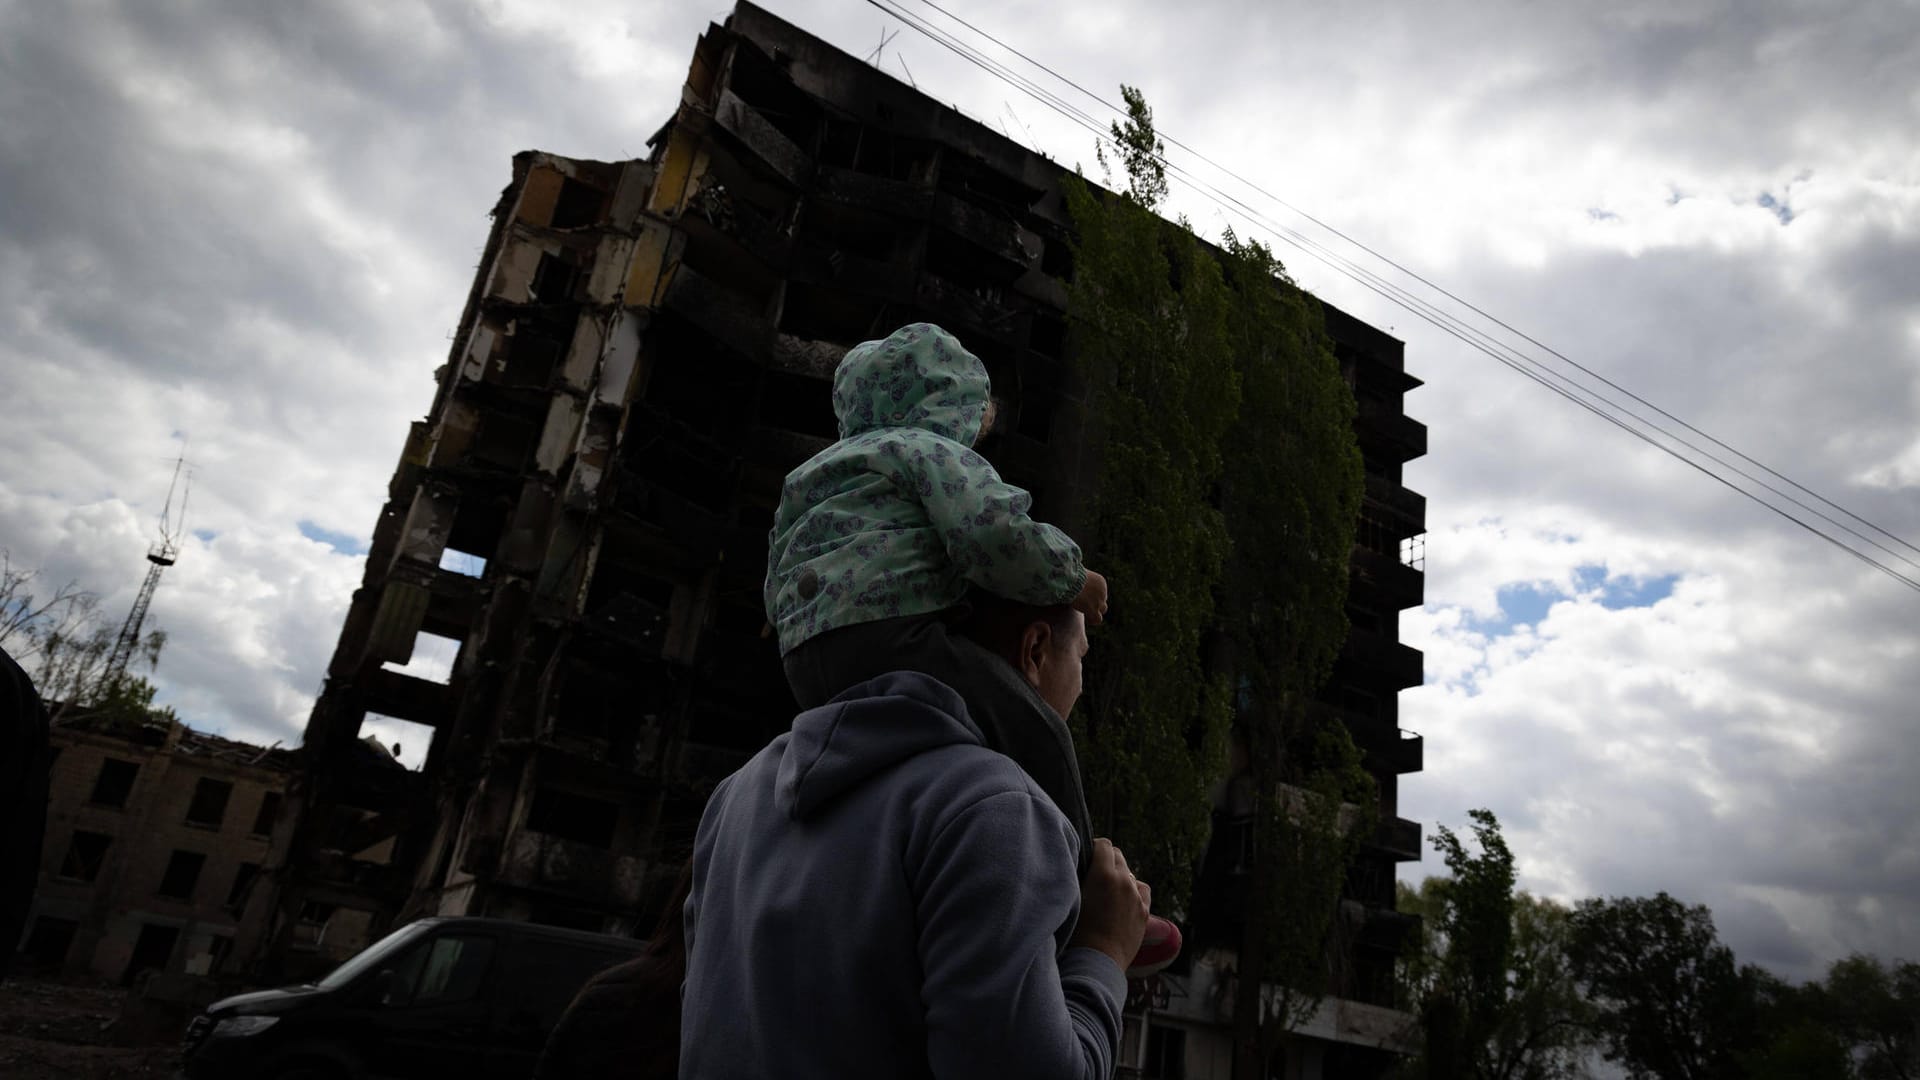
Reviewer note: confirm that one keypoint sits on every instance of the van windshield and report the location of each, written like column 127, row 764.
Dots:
column 373, row 956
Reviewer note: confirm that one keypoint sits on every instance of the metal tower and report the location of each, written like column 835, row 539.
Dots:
column 164, row 553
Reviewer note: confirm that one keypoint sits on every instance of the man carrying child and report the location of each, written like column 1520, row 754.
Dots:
column 905, row 883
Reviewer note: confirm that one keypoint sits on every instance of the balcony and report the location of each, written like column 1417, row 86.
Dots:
column 1399, row 838
column 1388, row 748
column 874, row 194
column 533, row 860
column 1398, row 501
column 1384, row 424
column 1383, row 660
column 1379, row 928
column 1387, row 577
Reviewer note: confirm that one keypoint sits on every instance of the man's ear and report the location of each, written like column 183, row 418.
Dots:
column 1036, row 643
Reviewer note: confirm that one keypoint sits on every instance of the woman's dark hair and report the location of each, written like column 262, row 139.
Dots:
column 669, row 940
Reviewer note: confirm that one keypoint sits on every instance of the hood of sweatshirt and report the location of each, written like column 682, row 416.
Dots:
column 918, row 376
column 869, row 729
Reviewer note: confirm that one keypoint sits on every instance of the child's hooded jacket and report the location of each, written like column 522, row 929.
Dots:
column 900, row 517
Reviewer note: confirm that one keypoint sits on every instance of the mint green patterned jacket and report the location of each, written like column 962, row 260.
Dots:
column 900, row 517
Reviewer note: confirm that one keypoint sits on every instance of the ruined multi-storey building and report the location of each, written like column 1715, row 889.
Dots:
column 581, row 521
column 155, row 840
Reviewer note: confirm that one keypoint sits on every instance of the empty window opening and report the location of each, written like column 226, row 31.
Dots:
column 630, row 605
column 578, row 205
column 114, row 783
column 464, row 563
column 243, row 879
column 695, row 381
column 433, row 659
column 183, row 873
column 798, row 404
column 1048, row 335
column 722, row 725
column 406, row 741
column 219, row 946
column 980, row 183
column 534, row 351
column 1166, row 1053
column 847, row 233
column 839, row 142
column 268, row 813
column 826, row 314
column 553, row 280
column 573, row 817
column 209, row 805
column 744, row 620
column 47, row 944
column 958, row 260
column 503, row 441
column 475, row 535
column 86, row 853
column 152, row 951
column 1036, row 419
column 588, row 703
column 1056, row 258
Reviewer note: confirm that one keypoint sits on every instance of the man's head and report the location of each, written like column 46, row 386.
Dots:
column 1044, row 644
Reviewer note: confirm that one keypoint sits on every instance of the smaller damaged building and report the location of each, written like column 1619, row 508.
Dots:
column 155, row 842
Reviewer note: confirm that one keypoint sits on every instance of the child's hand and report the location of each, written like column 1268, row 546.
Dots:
column 1092, row 601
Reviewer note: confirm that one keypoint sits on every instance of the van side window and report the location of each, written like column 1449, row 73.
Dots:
column 451, row 968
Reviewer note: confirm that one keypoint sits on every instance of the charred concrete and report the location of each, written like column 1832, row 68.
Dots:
column 645, row 353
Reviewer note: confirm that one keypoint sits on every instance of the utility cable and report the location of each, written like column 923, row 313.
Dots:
column 1440, row 319
column 1523, row 335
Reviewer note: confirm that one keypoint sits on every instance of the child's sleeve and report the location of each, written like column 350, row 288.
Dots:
column 989, row 538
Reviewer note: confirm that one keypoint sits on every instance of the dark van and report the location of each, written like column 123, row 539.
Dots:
column 473, row 998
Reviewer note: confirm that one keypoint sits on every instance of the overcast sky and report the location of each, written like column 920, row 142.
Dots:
column 249, row 229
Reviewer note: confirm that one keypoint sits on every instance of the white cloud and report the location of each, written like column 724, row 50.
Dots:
column 257, row 226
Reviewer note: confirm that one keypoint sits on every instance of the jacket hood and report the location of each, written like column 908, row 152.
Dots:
column 865, row 731
column 918, row 376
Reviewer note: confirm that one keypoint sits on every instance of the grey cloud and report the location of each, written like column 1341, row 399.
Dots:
column 145, row 289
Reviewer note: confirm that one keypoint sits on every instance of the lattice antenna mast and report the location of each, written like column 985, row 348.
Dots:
column 164, row 553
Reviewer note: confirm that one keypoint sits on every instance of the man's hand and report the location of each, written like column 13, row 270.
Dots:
column 1113, row 907
column 1092, row 601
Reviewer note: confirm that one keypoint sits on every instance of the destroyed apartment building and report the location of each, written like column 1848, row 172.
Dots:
column 155, row 841
column 581, row 521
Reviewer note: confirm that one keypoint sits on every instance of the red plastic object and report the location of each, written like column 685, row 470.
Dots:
column 1157, row 949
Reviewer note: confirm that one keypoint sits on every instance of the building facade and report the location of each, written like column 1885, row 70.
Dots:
column 156, row 839
column 577, row 529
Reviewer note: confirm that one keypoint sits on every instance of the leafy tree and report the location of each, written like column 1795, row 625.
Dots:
column 1291, row 493
column 1874, row 1009
column 1672, row 1004
column 1228, row 493
column 1148, row 310
column 1143, row 155
column 61, row 636
column 1488, row 973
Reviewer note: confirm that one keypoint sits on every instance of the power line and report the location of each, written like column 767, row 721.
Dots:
column 1415, row 275
column 1441, row 319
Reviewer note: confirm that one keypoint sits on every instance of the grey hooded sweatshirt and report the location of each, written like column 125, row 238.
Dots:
column 877, row 894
